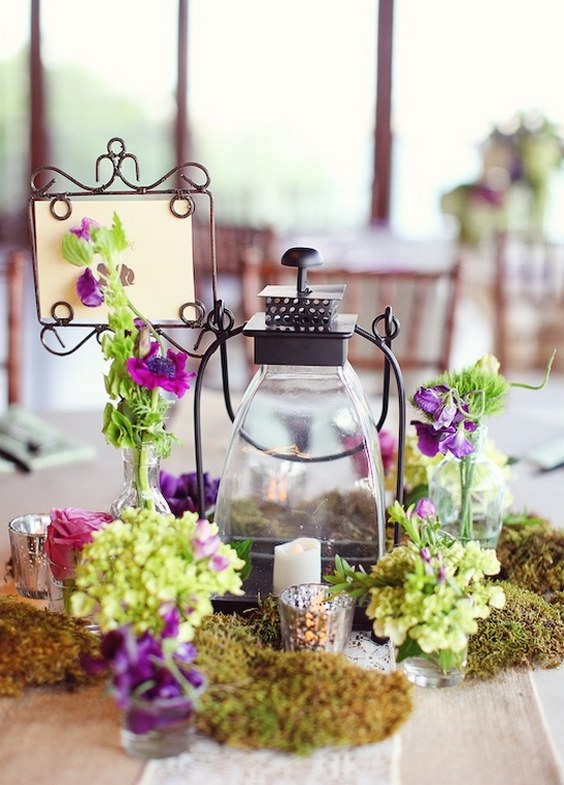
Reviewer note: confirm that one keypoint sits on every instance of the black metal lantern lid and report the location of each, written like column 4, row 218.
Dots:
column 300, row 325
column 303, row 308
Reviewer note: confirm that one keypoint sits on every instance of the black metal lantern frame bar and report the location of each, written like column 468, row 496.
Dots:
column 214, row 328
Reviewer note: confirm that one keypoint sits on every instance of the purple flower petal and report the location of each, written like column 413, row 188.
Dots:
column 429, row 399
column 427, row 438
column 153, row 370
column 456, row 443
column 425, row 508
column 83, row 231
column 218, row 562
column 89, row 290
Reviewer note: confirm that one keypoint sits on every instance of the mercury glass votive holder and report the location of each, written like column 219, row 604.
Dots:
column 27, row 546
column 313, row 618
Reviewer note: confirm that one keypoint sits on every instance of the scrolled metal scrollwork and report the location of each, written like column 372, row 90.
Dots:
column 194, row 177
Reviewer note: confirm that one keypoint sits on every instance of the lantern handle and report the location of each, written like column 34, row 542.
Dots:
column 302, row 259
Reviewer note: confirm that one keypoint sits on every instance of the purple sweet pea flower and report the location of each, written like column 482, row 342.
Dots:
column 427, row 438
column 457, row 443
column 425, row 554
column 205, row 543
column 446, row 415
column 429, row 399
column 169, row 373
column 89, row 290
column 144, row 685
column 83, row 231
column 171, row 618
column 425, row 508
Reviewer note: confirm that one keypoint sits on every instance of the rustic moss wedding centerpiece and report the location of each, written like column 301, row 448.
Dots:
column 143, row 378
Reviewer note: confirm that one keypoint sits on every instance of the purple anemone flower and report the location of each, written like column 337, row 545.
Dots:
column 89, row 290
column 83, row 231
column 169, row 373
column 181, row 492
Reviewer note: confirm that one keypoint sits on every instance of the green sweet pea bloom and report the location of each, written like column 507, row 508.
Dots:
column 77, row 251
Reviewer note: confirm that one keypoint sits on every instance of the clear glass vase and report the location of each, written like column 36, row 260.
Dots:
column 159, row 728
column 141, row 485
column 469, row 494
column 60, row 591
column 444, row 668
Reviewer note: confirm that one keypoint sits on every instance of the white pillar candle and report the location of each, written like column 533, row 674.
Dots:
column 298, row 561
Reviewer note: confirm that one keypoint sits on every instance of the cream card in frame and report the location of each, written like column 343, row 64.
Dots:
column 159, row 256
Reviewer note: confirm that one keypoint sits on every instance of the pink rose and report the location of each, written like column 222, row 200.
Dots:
column 68, row 531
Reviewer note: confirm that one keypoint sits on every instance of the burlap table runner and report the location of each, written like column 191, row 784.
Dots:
column 488, row 733
column 52, row 737
column 479, row 733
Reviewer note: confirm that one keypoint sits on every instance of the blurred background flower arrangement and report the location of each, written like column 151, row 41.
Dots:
column 513, row 188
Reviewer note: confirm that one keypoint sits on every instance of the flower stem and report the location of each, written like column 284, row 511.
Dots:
column 68, row 590
column 467, row 465
column 141, row 468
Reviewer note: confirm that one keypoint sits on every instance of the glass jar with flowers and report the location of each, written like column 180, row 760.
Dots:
column 467, row 486
column 68, row 532
column 143, row 378
column 147, row 579
column 425, row 595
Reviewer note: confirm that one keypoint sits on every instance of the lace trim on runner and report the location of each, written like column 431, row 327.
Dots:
column 208, row 763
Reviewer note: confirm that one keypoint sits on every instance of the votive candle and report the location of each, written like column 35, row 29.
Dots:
column 298, row 561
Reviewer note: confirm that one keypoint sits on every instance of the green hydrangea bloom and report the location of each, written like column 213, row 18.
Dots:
column 145, row 560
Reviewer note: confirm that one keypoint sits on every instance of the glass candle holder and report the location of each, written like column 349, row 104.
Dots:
column 29, row 563
column 312, row 618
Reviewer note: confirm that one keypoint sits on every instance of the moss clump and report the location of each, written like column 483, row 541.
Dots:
column 40, row 648
column 527, row 633
column 264, row 622
column 291, row 701
column 341, row 516
column 532, row 556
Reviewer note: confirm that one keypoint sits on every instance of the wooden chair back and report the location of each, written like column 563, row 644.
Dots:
column 12, row 270
column 528, row 302
column 425, row 303
column 235, row 247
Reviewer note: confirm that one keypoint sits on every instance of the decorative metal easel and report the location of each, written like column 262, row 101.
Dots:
column 187, row 187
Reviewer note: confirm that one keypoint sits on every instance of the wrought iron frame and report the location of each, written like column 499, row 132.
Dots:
column 216, row 326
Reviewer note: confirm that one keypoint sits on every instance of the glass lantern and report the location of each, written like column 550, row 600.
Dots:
column 304, row 458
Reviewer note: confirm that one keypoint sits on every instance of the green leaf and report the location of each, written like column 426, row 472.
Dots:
column 77, row 251
column 117, row 429
column 243, row 550
column 104, row 244
column 120, row 239
column 409, row 648
column 419, row 492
